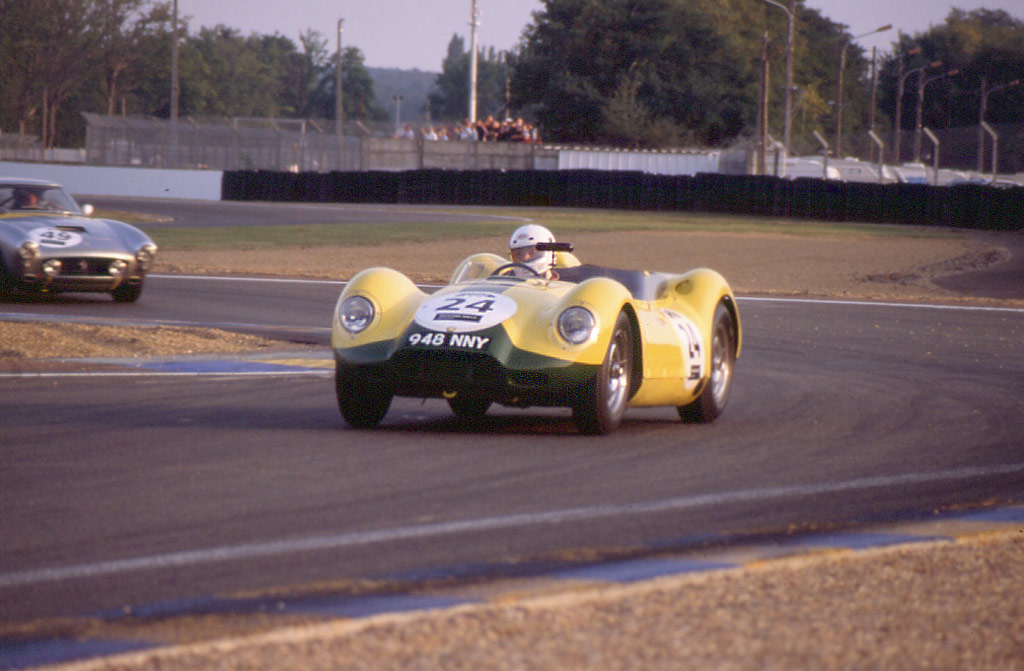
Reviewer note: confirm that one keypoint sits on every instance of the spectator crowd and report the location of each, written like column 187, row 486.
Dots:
column 482, row 130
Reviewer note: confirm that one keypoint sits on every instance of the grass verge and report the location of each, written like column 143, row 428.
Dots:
column 562, row 221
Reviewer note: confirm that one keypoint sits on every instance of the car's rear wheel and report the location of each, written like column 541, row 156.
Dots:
column 362, row 405
column 469, row 408
column 711, row 402
column 601, row 405
column 127, row 293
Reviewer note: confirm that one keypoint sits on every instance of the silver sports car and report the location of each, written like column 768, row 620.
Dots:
column 49, row 244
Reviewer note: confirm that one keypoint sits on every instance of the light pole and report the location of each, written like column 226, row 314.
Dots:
column 474, row 22
column 787, row 122
column 339, row 112
column 839, row 92
column 174, row 64
column 899, row 104
column 921, row 83
column 172, row 148
column 981, row 118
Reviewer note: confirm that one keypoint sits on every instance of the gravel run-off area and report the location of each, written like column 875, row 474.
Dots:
column 937, row 605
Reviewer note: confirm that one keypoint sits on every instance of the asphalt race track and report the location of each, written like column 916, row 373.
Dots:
column 142, row 487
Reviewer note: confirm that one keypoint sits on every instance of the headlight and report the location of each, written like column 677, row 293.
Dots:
column 28, row 250
column 52, row 267
column 145, row 255
column 355, row 314
column 576, row 325
column 117, row 268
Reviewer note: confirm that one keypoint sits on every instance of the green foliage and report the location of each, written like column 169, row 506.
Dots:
column 637, row 73
column 61, row 57
column 985, row 46
column 449, row 100
column 590, row 66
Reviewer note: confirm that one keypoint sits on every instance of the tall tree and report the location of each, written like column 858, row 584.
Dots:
column 49, row 48
column 584, row 61
column 302, row 76
column 123, row 26
column 450, row 98
column 985, row 46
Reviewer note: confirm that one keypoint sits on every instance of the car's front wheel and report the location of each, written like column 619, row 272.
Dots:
column 711, row 402
column 362, row 405
column 6, row 282
column 127, row 293
column 600, row 407
column 469, row 408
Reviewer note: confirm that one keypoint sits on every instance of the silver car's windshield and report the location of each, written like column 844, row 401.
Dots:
column 18, row 198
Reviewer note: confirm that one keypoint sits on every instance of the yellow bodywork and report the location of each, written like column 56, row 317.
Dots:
column 672, row 326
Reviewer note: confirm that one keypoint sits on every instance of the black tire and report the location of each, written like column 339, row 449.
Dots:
column 603, row 401
column 6, row 282
column 362, row 404
column 712, row 400
column 469, row 408
column 127, row 293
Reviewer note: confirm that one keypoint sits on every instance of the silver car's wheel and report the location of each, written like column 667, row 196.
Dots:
column 6, row 281
column 711, row 402
column 600, row 408
column 127, row 293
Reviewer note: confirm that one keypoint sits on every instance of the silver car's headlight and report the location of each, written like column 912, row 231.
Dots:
column 145, row 255
column 355, row 314
column 52, row 267
column 576, row 325
column 28, row 250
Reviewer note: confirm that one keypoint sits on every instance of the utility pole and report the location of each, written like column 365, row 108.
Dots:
column 339, row 113
column 762, row 112
column 787, row 122
column 473, row 24
column 174, row 64
column 172, row 149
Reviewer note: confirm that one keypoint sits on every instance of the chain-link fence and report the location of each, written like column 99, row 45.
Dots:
column 297, row 145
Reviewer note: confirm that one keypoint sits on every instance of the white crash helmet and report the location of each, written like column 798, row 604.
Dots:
column 522, row 247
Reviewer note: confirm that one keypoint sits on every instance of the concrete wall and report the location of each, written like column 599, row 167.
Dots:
column 653, row 162
column 416, row 154
column 97, row 181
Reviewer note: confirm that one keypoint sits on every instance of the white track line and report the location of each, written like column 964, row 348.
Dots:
column 485, row 524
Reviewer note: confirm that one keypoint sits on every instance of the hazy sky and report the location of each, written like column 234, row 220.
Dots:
column 415, row 33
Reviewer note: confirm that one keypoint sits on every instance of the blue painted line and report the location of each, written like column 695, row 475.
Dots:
column 35, row 653
column 995, row 515
column 217, row 366
column 640, row 569
column 864, row 541
column 338, row 605
column 366, row 606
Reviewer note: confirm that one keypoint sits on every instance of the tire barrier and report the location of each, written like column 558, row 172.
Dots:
column 960, row 206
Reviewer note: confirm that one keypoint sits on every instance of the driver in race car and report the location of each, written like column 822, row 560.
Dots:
column 522, row 248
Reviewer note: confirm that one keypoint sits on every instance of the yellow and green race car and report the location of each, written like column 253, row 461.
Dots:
column 594, row 339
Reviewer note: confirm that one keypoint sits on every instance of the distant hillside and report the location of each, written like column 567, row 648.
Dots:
column 412, row 85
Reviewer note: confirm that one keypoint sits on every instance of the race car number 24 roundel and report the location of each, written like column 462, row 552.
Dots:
column 465, row 311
